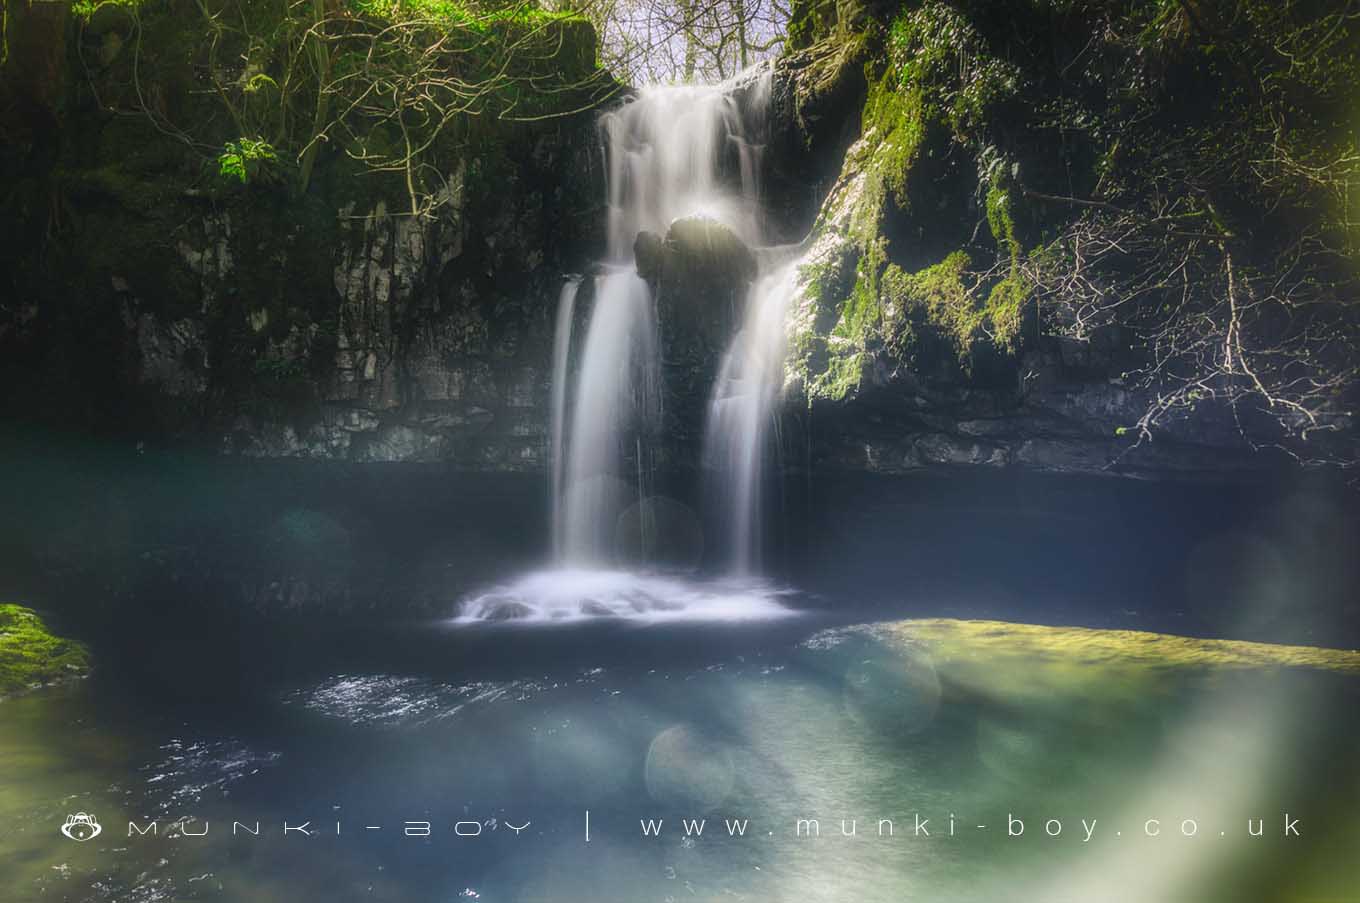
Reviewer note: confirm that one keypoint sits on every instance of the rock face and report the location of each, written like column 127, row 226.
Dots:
column 872, row 386
column 153, row 301
column 147, row 302
column 699, row 274
column 916, row 338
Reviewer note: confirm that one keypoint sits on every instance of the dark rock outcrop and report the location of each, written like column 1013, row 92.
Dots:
column 699, row 273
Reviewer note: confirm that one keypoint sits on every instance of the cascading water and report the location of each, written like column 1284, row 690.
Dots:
column 566, row 311
column 616, row 388
column 742, row 409
column 666, row 154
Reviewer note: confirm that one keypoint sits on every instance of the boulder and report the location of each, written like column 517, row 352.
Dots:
column 700, row 274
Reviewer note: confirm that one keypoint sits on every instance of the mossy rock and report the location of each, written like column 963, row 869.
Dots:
column 31, row 656
column 701, row 271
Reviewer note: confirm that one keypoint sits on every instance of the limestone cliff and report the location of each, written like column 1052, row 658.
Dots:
column 960, row 171
column 1059, row 235
column 288, row 307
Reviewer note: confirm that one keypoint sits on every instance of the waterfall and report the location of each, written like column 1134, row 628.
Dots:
column 566, row 312
column 671, row 152
column 617, row 389
column 741, row 411
column 666, row 154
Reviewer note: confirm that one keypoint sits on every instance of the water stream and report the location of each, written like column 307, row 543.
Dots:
column 566, row 311
column 616, row 398
column 669, row 153
column 742, row 411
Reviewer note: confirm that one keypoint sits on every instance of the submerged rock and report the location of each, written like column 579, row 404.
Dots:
column 506, row 610
column 596, row 608
column 31, row 656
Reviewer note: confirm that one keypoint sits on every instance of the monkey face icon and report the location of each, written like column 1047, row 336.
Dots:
column 81, row 827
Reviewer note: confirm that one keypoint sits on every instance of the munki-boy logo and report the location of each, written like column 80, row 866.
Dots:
column 81, row 827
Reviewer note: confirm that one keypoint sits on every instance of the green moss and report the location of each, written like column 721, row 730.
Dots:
column 31, row 656
column 453, row 14
column 1027, row 663
column 934, row 295
column 1005, row 303
column 933, row 91
column 859, row 324
column 1085, row 649
column 936, row 50
column 842, row 376
column 894, row 121
column 940, row 297
column 1005, row 309
column 862, row 314
column 894, row 130
column 1000, row 220
column 87, row 8
column 921, row 96
column 809, row 22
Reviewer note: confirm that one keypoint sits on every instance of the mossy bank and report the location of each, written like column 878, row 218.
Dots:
column 31, row 656
column 1059, row 232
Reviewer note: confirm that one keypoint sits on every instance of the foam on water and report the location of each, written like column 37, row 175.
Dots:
column 566, row 596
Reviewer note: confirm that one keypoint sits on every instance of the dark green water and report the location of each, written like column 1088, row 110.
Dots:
column 757, row 724
column 274, row 644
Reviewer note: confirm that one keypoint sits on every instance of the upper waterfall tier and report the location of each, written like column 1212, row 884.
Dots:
column 676, row 151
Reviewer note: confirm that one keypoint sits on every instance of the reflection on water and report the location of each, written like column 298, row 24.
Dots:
column 384, row 699
column 188, row 771
column 868, row 731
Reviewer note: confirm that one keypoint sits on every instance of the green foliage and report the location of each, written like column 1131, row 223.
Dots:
column 939, row 293
column 84, row 9
column 857, row 328
column 401, row 88
column 896, row 119
column 861, row 316
column 1005, row 309
column 1006, row 301
column 1198, row 162
column 31, row 656
column 939, row 85
column 450, row 14
column 935, row 51
column 842, row 376
column 246, row 160
column 809, row 21
column 1000, row 219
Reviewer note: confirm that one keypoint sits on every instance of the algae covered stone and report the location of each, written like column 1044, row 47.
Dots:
column 31, row 656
